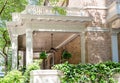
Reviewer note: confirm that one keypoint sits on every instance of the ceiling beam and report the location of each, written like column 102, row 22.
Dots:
column 70, row 38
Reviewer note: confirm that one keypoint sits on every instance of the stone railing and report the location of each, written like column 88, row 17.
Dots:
column 47, row 10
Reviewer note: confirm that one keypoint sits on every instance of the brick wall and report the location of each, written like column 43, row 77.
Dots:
column 98, row 46
column 72, row 47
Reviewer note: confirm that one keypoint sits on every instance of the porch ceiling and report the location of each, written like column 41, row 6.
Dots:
column 42, row 40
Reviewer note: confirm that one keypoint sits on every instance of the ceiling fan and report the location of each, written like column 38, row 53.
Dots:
column 52, row 49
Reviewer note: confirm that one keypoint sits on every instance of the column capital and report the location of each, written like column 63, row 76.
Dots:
column 14, row 36
column 29, row 30
column 115, row 32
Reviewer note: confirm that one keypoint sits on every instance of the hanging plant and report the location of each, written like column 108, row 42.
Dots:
column 66, row 55
column 43, row 55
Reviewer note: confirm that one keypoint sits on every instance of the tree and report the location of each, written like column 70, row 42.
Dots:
column 10, row 6
column 7, row 7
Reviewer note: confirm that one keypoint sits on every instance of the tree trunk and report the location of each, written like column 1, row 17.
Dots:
column 65, row 3
column 3, row 7
column 6, row 65
column 46, row 2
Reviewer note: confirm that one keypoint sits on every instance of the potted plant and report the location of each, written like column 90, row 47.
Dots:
column 66, row 55
column 43, row 55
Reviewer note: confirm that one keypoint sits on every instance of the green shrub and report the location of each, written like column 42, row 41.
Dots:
column 83, row 73
column 31, row 67
column 13, row 76
column 16, row 76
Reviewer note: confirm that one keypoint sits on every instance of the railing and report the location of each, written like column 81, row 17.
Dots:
column 45, row 10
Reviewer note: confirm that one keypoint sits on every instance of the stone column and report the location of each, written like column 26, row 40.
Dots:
column 82, row 35
column 29, row 47
column 114, row 47
column 14, row 51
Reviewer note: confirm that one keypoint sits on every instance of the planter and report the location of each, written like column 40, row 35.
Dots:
column 45, row 76
column 117, row 77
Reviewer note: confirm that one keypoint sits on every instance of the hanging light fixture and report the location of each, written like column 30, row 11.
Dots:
column 52, row 49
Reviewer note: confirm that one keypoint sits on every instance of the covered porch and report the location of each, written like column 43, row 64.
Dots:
column 39, row 29
column 31, row 33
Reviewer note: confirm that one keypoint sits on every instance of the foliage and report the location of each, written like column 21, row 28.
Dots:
column 43, row 55
column 31, row 67
column 5, row 46
column 7, row 7
column 83, row 73
column 14, row 76
column 9, row 65
column 66, row 55
column 4, row 38
column 59, row 10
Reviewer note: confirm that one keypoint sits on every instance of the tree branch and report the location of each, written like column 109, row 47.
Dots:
column 5, row 43
column 1, row 53
column 65, row 3
column 46, row 2
column 3, row 7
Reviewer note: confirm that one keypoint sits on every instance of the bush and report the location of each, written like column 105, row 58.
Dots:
column 14, row 76
column 94, row 73
column 31, row 67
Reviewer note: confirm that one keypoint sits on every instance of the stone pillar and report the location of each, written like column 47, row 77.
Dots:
column 114, row 47
column 82, row 35
column 14, row 51
column 29, row 47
